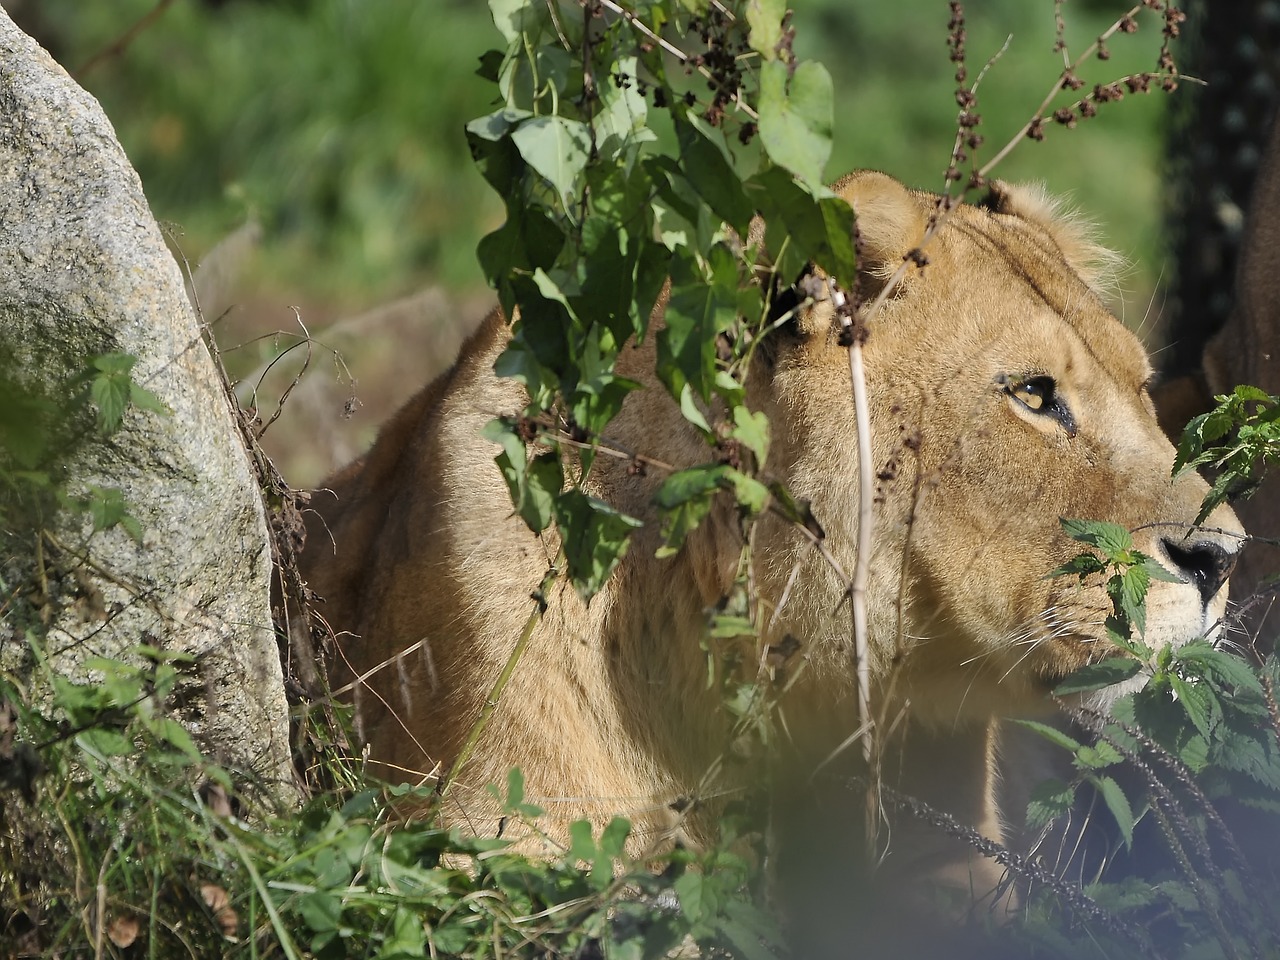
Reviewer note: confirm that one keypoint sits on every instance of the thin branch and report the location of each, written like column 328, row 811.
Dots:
column 1068, row 70
column 121, row 43
column 499, row 685
column 1068, row 893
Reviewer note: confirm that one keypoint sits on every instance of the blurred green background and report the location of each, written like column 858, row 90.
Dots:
column 335, row 128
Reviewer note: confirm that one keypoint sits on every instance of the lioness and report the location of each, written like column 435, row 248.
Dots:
column 1005, row 396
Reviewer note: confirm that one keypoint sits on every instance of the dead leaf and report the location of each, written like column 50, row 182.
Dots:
column 124, row 930
column 215, row 798
column 219, row 904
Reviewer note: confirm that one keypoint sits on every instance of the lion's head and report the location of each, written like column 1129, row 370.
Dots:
column 1005, row 396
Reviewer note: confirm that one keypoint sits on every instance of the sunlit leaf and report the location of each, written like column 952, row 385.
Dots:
column 1096, row 676
column 558, row 149
column 797, row 117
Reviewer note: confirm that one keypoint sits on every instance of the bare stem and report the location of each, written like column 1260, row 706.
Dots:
column 866, row 519
column 499, row 685
column 1070, row 68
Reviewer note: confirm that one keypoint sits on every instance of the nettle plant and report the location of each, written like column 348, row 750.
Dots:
column 1237, row 440
column 1202, row 733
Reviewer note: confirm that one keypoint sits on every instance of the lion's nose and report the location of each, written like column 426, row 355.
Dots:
column 1206, row 563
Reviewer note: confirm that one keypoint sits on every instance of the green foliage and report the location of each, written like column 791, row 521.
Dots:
column 1236, row 440
column 600, row 211
column 106, row 782
column 1204, row 730
column 1131, row 572
column 40, row 432
column 347, row 148
column 113, row 391
column 606, row 195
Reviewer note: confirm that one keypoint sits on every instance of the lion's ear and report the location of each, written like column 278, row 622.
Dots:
column 891, row 220
column 1075, row 237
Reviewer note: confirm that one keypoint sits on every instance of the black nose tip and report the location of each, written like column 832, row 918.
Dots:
column 1205, row 562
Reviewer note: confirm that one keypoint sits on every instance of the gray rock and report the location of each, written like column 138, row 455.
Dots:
column 84, row 271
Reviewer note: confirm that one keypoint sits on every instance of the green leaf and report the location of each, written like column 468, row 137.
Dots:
column 558, row 149
column 452, row 938
column 690, row 410
column 176, row 735
column 752, row 431
column 408, row 937
column 613, row 838
column 1096, row 676
column 495, row 155
column 110, row 392
column 712, row 176
column 582, row 844
column 1097, row 756
column 515, row 18
column 1111, row 538
column 515, row 790
column 748, row 928
column 1218, row 666
column 25, row 427
column 144, row 399
column 812, row 224
column 1081, row 565
column 1157, row 571
column 490, row 64
column 1118, row 804
column 1051, row 733
column 796, row 117
column 107, row 508
column 621, row 121
column 690, row 887
column 728, row 627
column 1049, row 800
column 533, row 484
column 699, row 308
column 1132, row 596
column 321, row 911
column 751, row 494
column 684, row 499
column 544, row 478
column 114, row 364
column 1196, row 700
column 109, row 743
column 764, row 17
column 527, row 241
column 595, row 538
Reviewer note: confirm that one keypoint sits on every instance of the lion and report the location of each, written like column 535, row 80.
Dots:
column 1004, row 396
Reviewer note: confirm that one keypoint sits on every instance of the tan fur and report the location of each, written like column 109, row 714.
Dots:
column 610, row 710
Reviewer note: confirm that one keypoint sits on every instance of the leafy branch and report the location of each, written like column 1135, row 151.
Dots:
column 1237, row 440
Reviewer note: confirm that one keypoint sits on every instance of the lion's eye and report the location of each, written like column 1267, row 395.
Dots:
column 1040, row 396
column 1035, row 394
